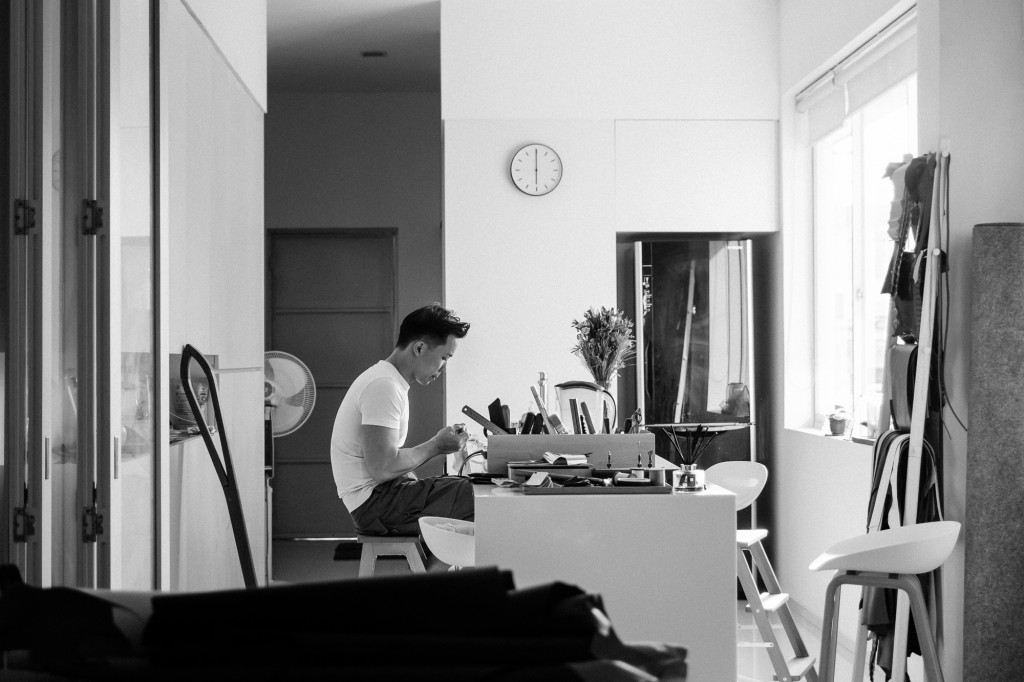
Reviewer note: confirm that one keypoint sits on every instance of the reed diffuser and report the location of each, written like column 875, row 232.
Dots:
column 697, row 439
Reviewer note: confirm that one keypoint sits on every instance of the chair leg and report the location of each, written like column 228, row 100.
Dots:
column 367, row 559
column 414, row 556
column 830, row 631
column 771, row 581
column 761, row 618
column 861, row 652
column 922, row 622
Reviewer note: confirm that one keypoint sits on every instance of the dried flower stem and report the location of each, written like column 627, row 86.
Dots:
column 604, row 342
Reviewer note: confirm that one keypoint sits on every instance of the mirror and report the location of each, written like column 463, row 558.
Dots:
column 690, row 301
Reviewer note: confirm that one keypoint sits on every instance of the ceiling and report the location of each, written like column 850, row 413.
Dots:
column 317, row 45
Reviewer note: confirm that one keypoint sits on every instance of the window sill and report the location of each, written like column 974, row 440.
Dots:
column 821, row 434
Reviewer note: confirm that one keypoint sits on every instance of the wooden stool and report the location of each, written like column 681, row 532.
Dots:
column 892, row 559
column 407, row 546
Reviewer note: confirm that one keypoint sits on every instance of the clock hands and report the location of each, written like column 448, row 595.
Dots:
column 552, row 169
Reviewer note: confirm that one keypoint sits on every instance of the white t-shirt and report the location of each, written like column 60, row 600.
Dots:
column 378, row 397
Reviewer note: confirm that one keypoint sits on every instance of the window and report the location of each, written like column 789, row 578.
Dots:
column 852, row 248
column 848, row 126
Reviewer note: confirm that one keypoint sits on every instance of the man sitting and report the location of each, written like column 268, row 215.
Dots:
column 372, row 470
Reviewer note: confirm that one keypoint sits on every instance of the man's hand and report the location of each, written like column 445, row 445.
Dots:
column 384, row 460
column 450, row 439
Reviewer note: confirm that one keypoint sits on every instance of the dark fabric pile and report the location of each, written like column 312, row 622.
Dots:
column 467, row 625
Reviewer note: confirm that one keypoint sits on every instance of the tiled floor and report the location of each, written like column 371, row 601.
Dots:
column 312, row 561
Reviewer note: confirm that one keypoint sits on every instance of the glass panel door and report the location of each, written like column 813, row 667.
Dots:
column 72, row 307
column 80, row 333
column 130, row 480
column 32, row 31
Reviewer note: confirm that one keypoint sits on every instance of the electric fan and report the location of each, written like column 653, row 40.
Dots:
column 289, row 389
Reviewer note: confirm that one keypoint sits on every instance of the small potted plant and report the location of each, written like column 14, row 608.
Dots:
column 837, row 420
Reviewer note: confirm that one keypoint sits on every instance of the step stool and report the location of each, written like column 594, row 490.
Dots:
column 761, row 605
column 407, row 546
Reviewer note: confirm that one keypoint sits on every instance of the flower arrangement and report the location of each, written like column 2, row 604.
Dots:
column 604, row 342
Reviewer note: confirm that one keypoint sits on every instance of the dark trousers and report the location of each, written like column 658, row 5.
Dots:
column 395, row 507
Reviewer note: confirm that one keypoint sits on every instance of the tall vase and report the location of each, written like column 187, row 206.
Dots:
column 594, row 395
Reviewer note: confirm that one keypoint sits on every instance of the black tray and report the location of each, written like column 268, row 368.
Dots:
column 599, row 490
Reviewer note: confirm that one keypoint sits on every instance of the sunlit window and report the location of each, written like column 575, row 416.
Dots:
column 852, row 202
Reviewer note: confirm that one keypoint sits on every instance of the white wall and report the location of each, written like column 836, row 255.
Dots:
column 521, row 268
column 347, row 160
column 238, row 29
column 601, row 59
column 213, row 208
column 570, row 75
column 815, row 33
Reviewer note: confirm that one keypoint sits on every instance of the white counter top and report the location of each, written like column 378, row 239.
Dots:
column 665, row 565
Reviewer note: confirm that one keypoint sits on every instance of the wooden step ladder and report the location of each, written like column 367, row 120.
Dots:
column 762, row 605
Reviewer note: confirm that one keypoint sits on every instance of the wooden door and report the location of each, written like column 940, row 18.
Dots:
column 332, row 305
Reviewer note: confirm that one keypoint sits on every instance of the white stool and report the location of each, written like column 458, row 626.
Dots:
column 889, row 559
column 746, row 480
column 407, row 546
column 453, row 541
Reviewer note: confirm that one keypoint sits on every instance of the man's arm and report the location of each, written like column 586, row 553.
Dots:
column 384, row 460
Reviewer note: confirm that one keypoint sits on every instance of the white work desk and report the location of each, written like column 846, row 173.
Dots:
column 665, row 565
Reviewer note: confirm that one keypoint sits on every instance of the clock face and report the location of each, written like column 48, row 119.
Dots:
column 536, row 169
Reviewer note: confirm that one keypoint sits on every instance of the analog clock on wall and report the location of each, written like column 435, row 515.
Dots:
column 536, row 169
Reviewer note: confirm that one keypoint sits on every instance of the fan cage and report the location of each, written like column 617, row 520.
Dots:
column 308, row 391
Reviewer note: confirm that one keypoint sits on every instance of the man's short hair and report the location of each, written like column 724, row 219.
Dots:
column 432, row 323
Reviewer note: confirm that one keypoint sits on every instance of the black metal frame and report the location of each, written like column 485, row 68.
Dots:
column 225, row 471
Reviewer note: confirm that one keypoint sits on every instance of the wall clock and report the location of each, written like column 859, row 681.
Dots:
column 536, row 169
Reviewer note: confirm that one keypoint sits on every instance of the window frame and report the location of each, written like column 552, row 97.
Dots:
column 804, row 356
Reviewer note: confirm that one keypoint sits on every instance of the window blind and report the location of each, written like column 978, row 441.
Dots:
column 889, row 57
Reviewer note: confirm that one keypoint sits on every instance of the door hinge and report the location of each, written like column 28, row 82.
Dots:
column 24, row 525
column 92, row 524
column 92, row 216
column 24, row 216
column 92, row 520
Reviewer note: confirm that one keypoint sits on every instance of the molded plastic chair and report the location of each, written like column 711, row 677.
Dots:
column 743, row 478
column 746, row 480
column 889, row 559
column 453, row 541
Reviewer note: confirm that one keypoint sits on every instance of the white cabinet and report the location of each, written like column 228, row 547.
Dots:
column 696, row 176
column 664, row 565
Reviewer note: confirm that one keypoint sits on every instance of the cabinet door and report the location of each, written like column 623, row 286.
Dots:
column 696, row 176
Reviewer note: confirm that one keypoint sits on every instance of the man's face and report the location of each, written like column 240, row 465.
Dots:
column 430, row 361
